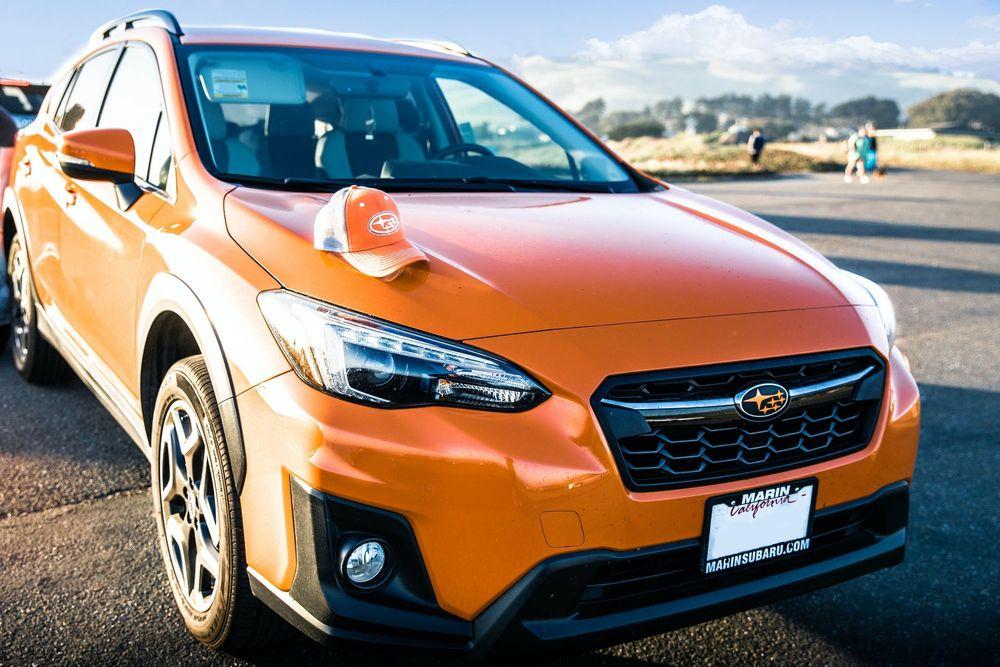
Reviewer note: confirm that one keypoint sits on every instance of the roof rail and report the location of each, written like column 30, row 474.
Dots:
column 160, row 18
column 440, row 46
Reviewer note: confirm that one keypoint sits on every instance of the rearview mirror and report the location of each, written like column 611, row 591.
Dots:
column 102, row 154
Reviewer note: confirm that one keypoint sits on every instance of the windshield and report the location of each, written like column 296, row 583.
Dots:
column 321, row 118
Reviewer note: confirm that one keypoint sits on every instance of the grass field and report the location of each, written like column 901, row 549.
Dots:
column 950, row 155
column 694, row 157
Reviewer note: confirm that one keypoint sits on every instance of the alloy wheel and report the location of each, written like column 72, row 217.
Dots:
column 20, row 280
column 189, row 505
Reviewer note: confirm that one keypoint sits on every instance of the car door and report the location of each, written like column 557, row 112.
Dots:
column 101, row 242
column 39, row 183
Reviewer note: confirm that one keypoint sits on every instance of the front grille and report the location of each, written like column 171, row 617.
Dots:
column 674, row 573
column 680, row 428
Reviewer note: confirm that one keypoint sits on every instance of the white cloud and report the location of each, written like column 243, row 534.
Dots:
column 719, row 33
column 718, row 50
column 987, row 22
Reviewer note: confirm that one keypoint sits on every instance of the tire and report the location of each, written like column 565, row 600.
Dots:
column 34, row 357
column 194, row 492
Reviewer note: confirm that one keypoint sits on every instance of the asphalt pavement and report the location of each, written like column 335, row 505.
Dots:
column 81, row 580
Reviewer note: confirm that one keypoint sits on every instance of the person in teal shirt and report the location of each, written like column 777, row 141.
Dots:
column 858, row 148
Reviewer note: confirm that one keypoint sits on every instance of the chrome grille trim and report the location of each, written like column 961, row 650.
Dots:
column 716, row 409
column 680, row 427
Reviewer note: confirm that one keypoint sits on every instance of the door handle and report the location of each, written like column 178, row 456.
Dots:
column 70, row 199
column 26, row 166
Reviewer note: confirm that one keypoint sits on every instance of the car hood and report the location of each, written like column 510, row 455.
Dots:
column 503, row 263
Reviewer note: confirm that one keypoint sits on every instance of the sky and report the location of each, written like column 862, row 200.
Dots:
column 630, row 52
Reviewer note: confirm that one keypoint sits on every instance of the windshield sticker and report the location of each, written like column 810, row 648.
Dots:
column 229, row 84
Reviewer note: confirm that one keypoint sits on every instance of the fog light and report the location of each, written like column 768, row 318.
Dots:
column 365, row 562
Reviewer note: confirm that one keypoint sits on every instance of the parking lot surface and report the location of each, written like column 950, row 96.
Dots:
column 81, row 580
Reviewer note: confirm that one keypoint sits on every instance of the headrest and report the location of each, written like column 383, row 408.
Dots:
column 290, row 120
column 409, row 118
column 378, row 115
column 215, row 121
column 327, row 108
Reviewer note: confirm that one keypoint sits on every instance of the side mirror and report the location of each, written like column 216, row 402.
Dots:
column 102, row 154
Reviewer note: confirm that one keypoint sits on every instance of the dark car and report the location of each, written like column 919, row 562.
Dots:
column 22, row 99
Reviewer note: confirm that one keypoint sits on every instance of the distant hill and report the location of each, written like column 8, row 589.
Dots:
column 966, row 107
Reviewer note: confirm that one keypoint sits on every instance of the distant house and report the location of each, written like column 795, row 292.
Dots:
column 940, row 130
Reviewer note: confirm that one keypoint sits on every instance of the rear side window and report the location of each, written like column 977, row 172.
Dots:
column 135, row 103
column 160, row 161
column 83, row 103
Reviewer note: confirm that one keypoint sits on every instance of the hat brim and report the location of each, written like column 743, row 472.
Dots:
column 386, row 260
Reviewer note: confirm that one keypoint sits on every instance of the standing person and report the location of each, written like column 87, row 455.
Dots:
column 857, row 155
column 755, row 146
column 871, row 164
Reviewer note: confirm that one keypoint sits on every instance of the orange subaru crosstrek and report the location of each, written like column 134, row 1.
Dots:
column 416, row 360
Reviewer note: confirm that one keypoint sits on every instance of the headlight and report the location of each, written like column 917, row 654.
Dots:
column 882, row 302
column 366, row 360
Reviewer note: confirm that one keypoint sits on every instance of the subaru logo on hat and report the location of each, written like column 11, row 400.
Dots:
column 373, row 243
column 383, row 223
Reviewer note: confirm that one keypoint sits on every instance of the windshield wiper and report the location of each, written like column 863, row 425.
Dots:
column 551, row 185
column 387, row 184
column 467, row 184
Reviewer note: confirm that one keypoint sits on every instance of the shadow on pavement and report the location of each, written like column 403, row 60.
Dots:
column 953, row 617
column 921, row 275
column 64, row 431
column 871, row 228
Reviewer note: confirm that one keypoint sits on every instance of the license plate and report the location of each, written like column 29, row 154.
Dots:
column 749, row 527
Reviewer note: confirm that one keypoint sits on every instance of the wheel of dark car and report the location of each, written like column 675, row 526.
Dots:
column 34, row 358
column 198, row 517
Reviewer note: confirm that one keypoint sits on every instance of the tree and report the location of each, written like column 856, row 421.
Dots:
column 964, row 107
column 884, row 112
column 668, row 110
column 728, row 103
column 704, row 122
column 638, row 127
column 591, row 113
column 802, row 109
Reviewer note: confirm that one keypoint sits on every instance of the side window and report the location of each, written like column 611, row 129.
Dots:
column 56, row 93
column 83, row 102
column 135, row 103
column 59, row 110
column 160, row 162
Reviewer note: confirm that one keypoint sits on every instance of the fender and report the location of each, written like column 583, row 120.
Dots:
column 169, row 294
column 11, row 205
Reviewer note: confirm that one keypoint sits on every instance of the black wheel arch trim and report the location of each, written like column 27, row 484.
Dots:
column 168, row 294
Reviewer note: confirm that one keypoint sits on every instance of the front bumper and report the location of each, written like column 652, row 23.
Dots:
column 573, row 601
column 489, row 498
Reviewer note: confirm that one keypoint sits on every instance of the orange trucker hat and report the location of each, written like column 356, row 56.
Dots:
column 362, row 224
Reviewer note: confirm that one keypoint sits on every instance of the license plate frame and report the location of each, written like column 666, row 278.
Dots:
column 791, row 546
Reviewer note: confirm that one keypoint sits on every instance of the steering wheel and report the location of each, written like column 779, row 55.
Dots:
column 455, row 149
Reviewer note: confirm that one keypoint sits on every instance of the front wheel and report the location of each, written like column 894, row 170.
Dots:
column 198, row 517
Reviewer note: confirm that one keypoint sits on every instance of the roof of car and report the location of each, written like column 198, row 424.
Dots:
column 304, row 37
